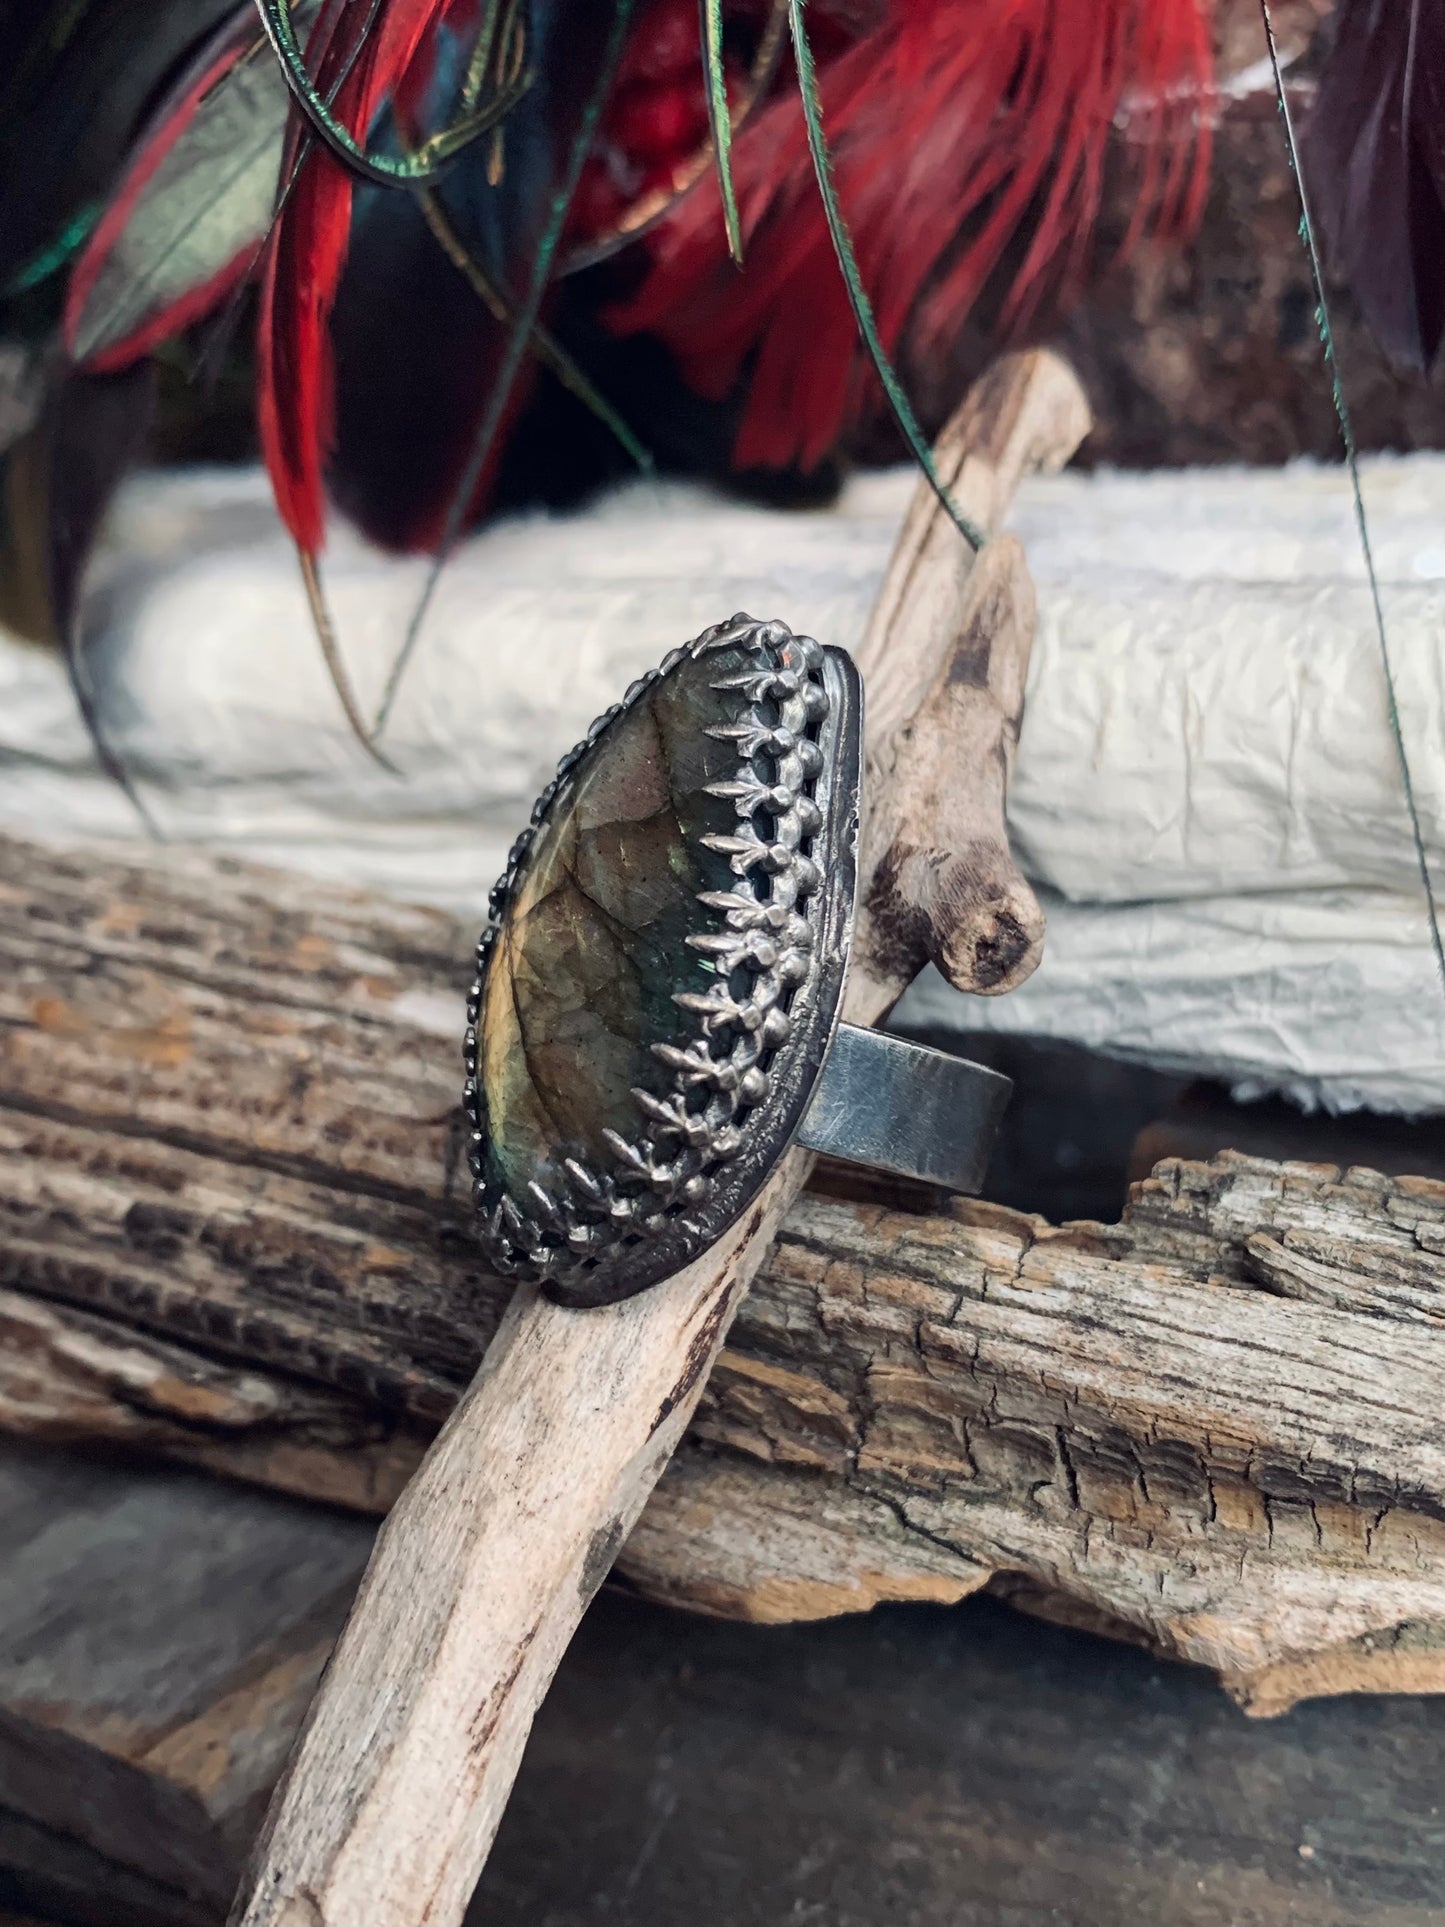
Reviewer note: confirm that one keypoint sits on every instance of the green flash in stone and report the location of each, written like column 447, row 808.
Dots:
column 582, row 974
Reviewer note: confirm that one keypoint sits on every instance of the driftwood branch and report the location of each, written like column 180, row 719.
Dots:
column 160, row 1634
column 399, row 1779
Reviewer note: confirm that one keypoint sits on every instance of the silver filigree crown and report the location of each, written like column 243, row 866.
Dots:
column 665, row 1181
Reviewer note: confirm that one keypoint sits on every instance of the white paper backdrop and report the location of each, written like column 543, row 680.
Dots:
column 1206, row 789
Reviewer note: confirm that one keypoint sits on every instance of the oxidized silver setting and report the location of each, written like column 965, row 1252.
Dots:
column 740, row 1088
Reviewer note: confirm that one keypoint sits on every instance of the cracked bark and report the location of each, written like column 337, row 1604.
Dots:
column 224, row 1107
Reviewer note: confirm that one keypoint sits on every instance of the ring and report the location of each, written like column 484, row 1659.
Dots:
column 655, row 1016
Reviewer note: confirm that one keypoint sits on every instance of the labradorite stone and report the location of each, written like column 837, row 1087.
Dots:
column 581, row 978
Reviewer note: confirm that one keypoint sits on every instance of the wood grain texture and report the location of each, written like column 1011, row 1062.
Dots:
column 1141, row 1463
column 478, row 1581
column 1125, row 1425
column 515, row 1516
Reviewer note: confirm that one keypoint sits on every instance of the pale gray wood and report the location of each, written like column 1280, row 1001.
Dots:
column 159, row 1640
column 399, row 1780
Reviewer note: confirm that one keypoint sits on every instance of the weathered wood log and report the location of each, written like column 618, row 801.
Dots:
column 224, row 1102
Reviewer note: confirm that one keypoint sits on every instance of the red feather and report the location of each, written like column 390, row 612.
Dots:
column 956, row 126
column 296, row 375
column 197, row 301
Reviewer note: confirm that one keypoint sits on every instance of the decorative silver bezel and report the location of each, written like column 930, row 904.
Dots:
column 740, row 1087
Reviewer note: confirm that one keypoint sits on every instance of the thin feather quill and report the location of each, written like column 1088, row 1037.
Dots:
column 1308, row 235
column 296, row 377
column 528, row 310
column 420, row 169
column 56, row 483
column 957, row 128
column 720, row 120
column 853, row 282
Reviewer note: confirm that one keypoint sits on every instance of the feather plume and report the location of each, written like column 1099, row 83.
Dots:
column 76, row 82
column 56, row 483
column 957, row 128
column 1374, row 166
column 967, row 139
column 296, row 375
column 940, row 151
column 186, row 221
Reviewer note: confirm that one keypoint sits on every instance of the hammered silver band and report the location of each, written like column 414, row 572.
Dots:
column 903, row 1108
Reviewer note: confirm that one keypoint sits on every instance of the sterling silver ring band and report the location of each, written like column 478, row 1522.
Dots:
column 901, row 1107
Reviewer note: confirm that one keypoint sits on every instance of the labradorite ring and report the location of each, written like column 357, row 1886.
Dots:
column 655, row 1016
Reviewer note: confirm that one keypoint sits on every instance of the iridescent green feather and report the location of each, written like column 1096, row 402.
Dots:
column 56, row 254
column 853, row 280
column 720, row 120
column 422, row 168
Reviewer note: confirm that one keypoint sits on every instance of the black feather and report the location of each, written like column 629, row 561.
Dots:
column 416, row 350
column 1374, row 166
column 77, row 77
column 56, row 484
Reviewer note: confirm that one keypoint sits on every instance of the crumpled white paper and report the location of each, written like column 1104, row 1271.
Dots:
column 1206, row 791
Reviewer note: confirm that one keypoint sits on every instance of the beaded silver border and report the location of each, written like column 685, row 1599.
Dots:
column 703, row 1148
